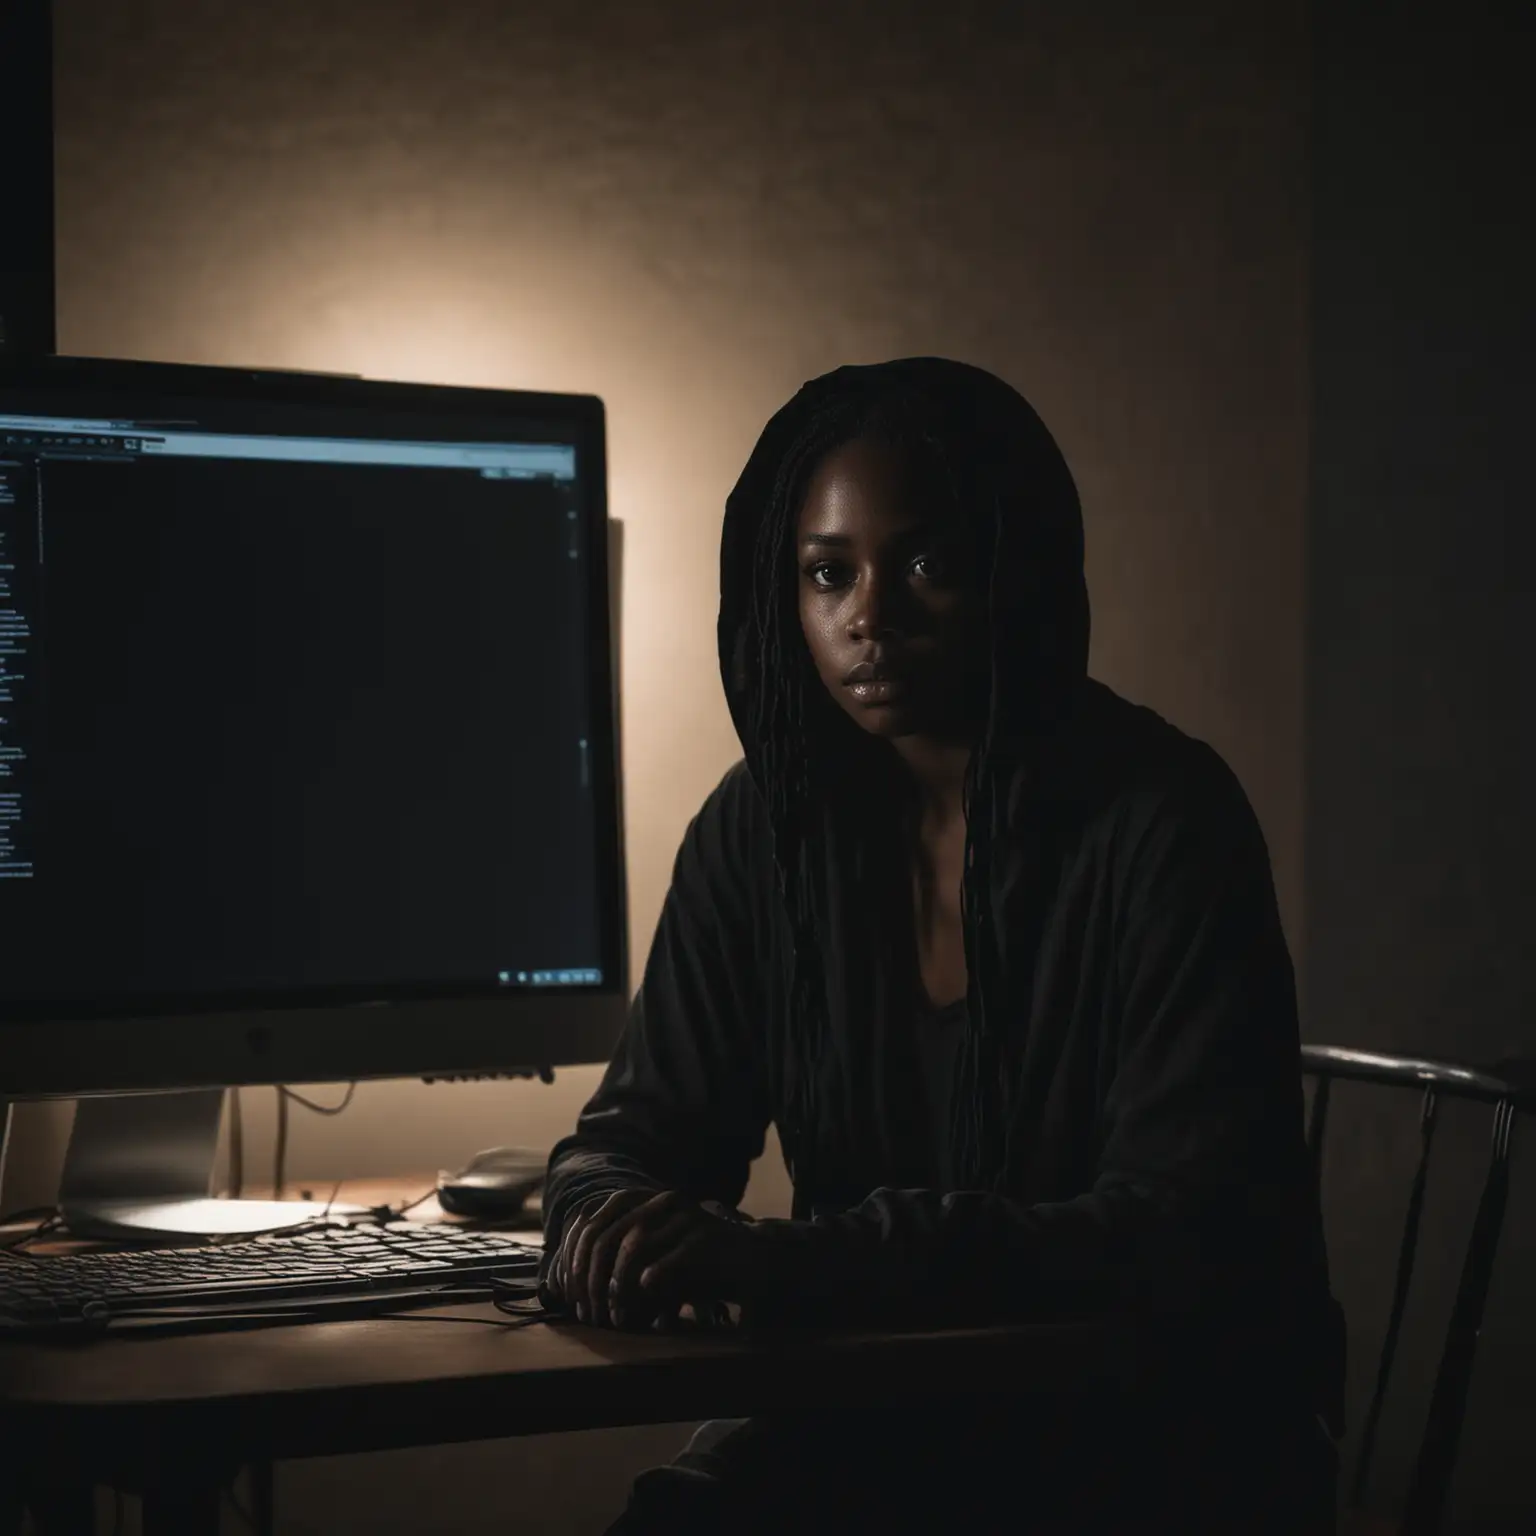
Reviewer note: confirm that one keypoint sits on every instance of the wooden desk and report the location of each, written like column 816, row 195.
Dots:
column 173, row 1417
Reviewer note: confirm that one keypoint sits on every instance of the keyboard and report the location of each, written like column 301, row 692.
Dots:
column 307, row 1274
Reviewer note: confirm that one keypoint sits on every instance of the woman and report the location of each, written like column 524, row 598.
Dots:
column 999, row 954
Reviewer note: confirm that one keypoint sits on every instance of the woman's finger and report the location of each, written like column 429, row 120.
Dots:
column 560, row 1264
column 593, row 1223
column 558, row 1276
column 643, row 1243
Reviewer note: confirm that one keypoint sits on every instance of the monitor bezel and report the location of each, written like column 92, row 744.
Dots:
column 178, row 1042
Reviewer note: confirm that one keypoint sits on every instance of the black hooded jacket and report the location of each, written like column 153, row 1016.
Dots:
column 1142, row 1003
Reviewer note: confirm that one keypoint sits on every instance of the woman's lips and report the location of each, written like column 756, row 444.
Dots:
column 885, row 689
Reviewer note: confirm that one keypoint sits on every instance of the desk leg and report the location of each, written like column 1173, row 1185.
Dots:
column 63, row 1510
column 263, row 1503
column 187, row 1509
column 13, row 1507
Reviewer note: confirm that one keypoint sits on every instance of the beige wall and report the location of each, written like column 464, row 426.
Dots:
column 688, row 208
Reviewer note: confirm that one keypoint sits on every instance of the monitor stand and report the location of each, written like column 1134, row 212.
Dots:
column 140, row 1167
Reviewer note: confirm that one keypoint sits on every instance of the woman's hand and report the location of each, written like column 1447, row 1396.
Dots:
column 631, row 1259
column 616, row 1241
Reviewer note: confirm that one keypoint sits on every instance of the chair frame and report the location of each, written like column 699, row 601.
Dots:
column 1510, row 1088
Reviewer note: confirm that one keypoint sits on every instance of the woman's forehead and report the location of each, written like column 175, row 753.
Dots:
column 873, row 481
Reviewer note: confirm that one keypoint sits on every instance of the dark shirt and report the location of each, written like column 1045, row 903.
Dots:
column 1156, row 1161
column 1128, row 1106
column 938, row 1046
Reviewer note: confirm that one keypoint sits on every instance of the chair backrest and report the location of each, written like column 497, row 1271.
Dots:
column 1509, row 1090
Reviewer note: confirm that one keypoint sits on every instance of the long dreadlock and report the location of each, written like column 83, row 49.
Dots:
column 804, row 748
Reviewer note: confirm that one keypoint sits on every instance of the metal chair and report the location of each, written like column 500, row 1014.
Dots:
column 1510, row 1087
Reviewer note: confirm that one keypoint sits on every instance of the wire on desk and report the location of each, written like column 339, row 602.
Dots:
column 529, row 1301
column 440, row 1317
column 299, row 1228
column 28, row 1213
column 47, row 1218
column 524, row 1301
column 325, row 1215
column 410, row 1205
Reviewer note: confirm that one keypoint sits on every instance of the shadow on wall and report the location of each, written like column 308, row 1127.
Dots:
column 1421, row 724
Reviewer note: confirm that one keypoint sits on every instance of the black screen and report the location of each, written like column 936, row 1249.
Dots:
column 273, row 725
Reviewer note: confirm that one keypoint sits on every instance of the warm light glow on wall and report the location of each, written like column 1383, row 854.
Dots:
column 673, row 454
column 689, row 221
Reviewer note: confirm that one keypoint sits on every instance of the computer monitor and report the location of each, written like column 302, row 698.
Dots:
column 307, row 747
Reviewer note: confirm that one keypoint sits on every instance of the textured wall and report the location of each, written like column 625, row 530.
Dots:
column 689, row 208
column 1421, row 904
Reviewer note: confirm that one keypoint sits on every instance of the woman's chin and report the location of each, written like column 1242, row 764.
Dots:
column 891, row 721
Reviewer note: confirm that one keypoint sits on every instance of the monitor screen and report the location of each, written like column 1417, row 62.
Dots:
column 304, row 695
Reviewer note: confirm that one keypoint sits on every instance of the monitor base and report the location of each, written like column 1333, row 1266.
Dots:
column 176, row 1220
column 140, row 1167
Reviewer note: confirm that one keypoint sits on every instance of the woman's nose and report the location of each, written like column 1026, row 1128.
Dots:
column 872, row 613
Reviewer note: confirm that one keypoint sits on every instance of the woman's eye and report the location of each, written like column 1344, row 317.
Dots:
column 929, row 567
column 823, row 574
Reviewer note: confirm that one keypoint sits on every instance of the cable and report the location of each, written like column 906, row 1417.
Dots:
column 529, row 1301
column 51, row 1221
column 33, row 1213
column 320, row 1109
column 236, row 1145
column 297, row 1229
column 518, row 1320
column 28, row 1213
column 192, row 1319
column 285, row 1096
column 395, row 1212
column 280, row 1145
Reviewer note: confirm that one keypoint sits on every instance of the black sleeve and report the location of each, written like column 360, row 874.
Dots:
column 684, row 1102
column 1200, row 1185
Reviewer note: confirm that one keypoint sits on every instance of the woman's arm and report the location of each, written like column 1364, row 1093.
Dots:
column 683, row 1105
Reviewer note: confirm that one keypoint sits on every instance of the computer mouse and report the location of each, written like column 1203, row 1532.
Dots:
column 493, row 1185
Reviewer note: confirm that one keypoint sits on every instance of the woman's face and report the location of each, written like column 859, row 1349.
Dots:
column 888, row 597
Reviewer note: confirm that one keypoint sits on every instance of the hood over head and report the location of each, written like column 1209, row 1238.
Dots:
column 1008, row 476
column 994, row 463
